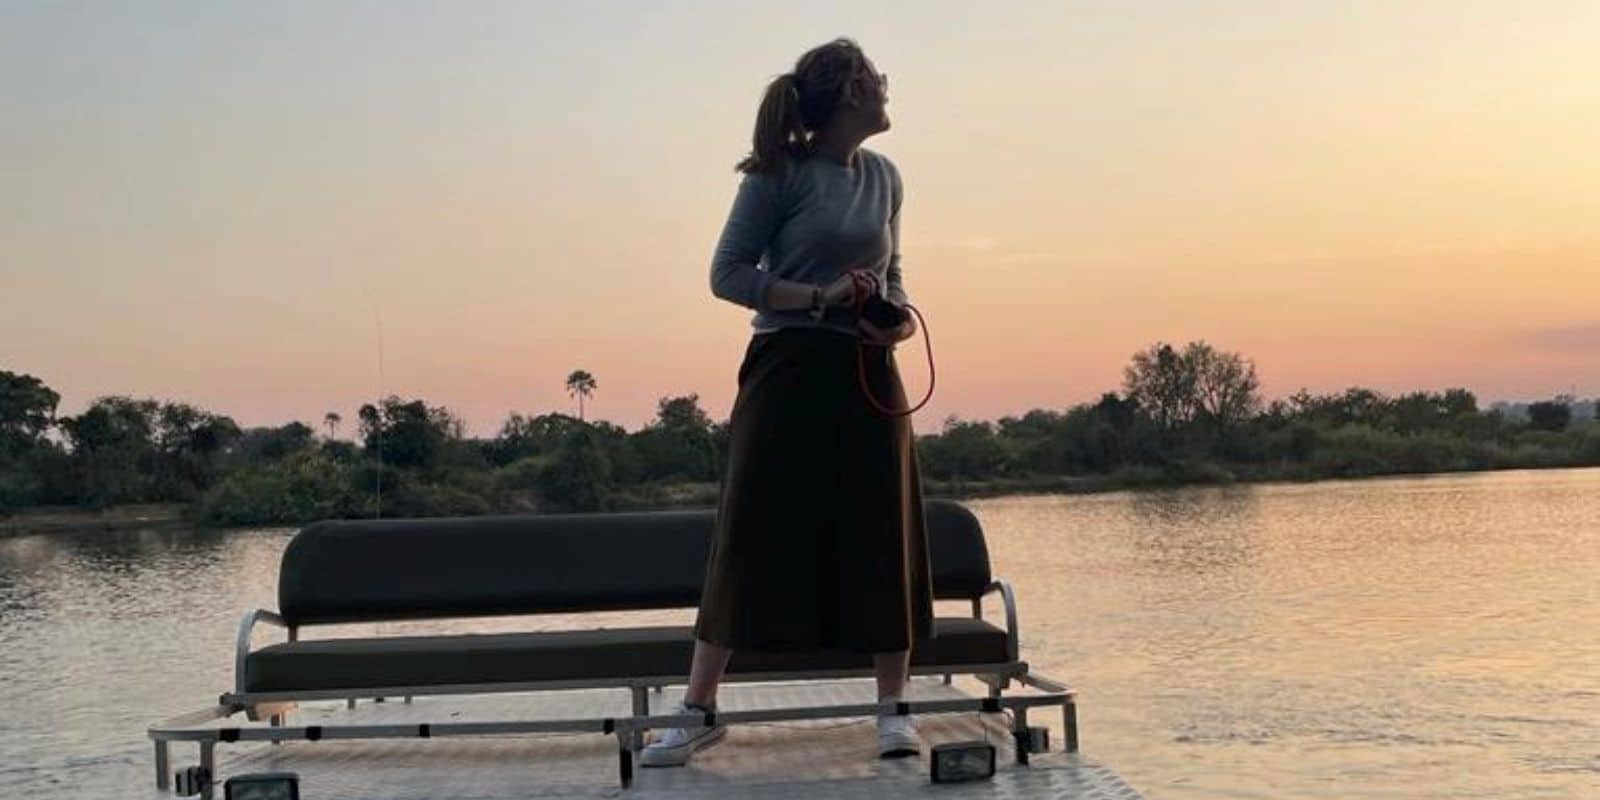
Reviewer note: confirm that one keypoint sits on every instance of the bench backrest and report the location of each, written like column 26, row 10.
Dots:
column 376, row 570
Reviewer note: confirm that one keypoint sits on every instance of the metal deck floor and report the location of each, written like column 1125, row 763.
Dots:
column 803, row 759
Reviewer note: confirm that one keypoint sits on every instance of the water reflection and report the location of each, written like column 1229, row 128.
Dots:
column 1414, row 637
column 1401, row 637
column 1194, row 531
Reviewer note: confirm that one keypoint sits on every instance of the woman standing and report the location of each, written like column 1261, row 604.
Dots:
column 820, row 542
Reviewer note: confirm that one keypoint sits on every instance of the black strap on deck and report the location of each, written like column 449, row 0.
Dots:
column 425, row 730
column 313, row 732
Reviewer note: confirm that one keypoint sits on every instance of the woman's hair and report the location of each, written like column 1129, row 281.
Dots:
column 800, row 102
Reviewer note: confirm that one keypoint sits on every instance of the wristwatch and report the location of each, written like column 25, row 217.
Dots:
column 817, row 309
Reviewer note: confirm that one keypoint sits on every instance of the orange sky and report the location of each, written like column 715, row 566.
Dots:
column 219, row 205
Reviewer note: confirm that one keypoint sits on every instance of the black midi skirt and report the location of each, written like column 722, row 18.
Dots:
column 819, row 542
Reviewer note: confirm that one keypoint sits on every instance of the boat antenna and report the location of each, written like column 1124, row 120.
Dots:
column 377, row 318
column 377, row 513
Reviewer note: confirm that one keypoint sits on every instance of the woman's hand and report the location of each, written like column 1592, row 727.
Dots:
column 887, row 337
column 842, row 292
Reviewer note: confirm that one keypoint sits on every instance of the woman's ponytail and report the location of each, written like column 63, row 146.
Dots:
column 780, row 132
column 801, row 101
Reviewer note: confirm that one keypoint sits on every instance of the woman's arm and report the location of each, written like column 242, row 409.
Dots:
column 756, row 215
column 894, row 283
column 784, row 295
column 751, row 223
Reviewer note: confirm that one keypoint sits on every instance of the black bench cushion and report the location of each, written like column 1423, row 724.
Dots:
column 604, row 653
column 374, row 570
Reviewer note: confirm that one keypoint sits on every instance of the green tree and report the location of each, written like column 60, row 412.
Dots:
column 303, row 486
column 1414, row 412
column 1459, row 402
column 1035, row 441
column 582, row 385
column 1549, row 416
column 679, row 444
column 1163, row 383
column 1225, row 385
column 27, row 457
column 27, row 410
column 682, row 413
column 578, row 478
column 113, row 451
column 612, row 439
column 408, row 434
column 263, row 444
column 962, row 450
column 1206, row 392
column 521, row 436
column 189, row 446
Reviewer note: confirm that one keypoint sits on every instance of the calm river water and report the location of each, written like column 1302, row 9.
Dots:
column 1423, row 637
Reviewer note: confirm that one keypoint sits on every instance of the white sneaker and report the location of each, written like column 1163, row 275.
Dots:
column 897, row 735
column 673, row 746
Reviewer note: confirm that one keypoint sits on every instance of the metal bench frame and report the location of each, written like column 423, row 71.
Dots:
column 197, row 726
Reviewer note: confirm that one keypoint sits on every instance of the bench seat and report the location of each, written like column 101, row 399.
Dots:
column 601, row 653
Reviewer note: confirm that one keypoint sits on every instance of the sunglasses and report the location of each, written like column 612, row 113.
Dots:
column 882, row 80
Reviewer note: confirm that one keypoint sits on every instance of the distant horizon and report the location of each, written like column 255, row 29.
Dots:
column 922, row 422
column 221, row 205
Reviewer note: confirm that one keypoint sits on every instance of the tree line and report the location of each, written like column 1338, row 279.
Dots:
column 1190, row 414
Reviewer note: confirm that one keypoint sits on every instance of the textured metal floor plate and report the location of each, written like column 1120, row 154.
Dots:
column 811, row 759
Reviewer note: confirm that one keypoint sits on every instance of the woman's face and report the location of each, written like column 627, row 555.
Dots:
column 869, row 90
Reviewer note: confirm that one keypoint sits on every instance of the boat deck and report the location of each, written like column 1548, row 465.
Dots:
column 827, row 758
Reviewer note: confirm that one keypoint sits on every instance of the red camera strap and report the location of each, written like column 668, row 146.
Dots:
column 864, row 287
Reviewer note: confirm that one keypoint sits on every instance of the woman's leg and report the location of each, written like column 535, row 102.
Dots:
column 892, row 670
column 705, row 671
column 672, row 747
column 897, row 733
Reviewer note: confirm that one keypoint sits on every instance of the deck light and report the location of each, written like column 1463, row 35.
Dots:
column 263, row 786
column 962, row 761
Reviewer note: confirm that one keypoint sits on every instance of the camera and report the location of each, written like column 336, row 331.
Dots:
column 882, row 313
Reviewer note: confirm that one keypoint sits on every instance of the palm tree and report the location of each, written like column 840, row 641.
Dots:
column 332, row 420
column 581, row 384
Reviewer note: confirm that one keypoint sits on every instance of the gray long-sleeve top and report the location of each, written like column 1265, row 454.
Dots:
column 812, row 222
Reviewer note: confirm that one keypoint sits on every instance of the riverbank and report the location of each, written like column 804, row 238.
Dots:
column 65, row 519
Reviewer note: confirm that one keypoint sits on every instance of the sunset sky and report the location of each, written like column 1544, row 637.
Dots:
column 220, row 203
